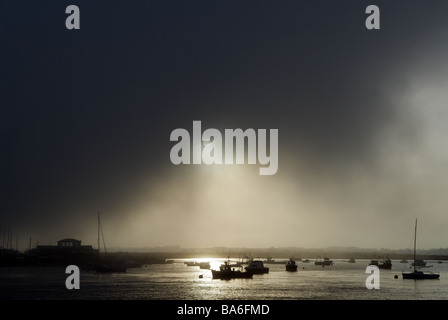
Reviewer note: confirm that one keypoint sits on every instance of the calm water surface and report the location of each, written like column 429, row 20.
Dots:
column 177, row 281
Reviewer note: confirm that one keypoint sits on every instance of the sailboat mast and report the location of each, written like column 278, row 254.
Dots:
column 415, row 240
column 98, row 234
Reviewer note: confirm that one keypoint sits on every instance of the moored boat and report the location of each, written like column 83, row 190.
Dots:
column 226, row 272
column 291, row 265
column 325, row 262
column 269, row 260
column 382, row 264
column 418, row 274
column 105, row 264
column 201, row 265
column 257, row 267
column 419, row 263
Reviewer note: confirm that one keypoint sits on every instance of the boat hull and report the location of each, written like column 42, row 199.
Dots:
column 291, row 268
column 257, row 267
column 419, row 263
column 258, row 271
column 419, row 275
column 382, row 265
column 226, row 275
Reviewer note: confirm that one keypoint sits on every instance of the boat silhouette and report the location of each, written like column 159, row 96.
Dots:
column 226, row 272
column 418, row 274
column 201, row 265
column 325, row 262
column 291, row 265
column 382, row 263
column 257, row 267
column 107, row 264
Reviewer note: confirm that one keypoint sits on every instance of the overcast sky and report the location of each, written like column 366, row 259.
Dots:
column 86, row 118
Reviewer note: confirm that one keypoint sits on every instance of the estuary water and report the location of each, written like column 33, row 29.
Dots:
column 177, row 281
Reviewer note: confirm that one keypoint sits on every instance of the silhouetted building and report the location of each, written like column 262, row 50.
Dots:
column 65, row 246
column 68, row 251
column 70, row 243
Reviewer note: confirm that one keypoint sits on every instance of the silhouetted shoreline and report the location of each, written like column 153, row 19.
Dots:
column 10, row 257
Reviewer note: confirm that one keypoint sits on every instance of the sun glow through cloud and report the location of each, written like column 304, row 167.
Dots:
column 361, row 114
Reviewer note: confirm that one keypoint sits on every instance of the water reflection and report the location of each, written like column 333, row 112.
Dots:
column 177, row 281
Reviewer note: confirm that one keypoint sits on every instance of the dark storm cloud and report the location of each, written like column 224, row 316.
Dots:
column 87, row 114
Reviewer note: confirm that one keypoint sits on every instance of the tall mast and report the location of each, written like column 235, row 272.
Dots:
column 98, row 234
column 100, row 230
column 415, row 240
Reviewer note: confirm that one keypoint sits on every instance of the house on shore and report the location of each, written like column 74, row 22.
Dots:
column 67, row 251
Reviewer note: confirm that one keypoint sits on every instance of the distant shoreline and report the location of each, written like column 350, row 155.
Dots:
column 158, row 257
column 286, row 253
